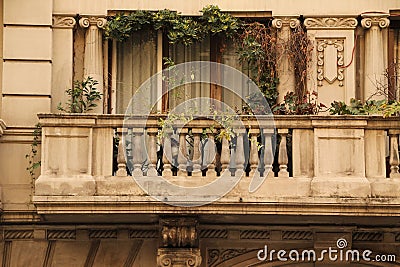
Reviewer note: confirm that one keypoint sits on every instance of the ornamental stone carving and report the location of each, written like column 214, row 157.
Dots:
column 375, row 19
column 63, row 22
column 330, row 60
column 333, row 23
column 178, row 233
column 189, row 257
column 280, row 22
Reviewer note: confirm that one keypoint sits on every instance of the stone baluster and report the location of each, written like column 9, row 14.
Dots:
column 225, row 155
column 283, row 157
column 137, row 151
column 253, row 157
column 167, row 155
column 210, row 153
column 268, row 152
column 152, row 151
column 239, row 154
column 375, row 52
column 93, row 58
column 196, row 161
column 121, row 160
column 286, row 74
column 182, row 156
column 394, row 155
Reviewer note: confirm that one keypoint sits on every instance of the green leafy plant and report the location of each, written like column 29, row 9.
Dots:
column 178, row 28
column 293, row 105
column 83, row 97
column 33, row 163
column 370, row 107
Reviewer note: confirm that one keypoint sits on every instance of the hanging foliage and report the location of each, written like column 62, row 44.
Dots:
column 178, row 28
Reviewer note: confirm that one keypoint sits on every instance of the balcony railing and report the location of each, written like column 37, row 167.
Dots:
column 95, row 162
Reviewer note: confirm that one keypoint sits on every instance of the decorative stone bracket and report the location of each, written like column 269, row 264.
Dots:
column 179, row 233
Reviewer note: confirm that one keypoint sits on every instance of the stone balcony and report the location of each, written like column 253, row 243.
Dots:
column 321, row 165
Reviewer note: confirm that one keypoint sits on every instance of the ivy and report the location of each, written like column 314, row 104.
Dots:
column 33, row 163
column 178, row 28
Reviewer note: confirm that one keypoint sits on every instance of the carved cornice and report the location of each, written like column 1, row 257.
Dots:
column 63, row 22
column 280, row 22
column 375, row 19
column 178, row 257
column 330, row 23
column 85, row 22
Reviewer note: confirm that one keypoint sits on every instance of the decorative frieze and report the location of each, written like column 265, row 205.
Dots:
column 61, row 234
column 143, row 234
column 18, row 234
column 64, row 22
column 330, row 60
column 213, row 233
column 332, row 23
column 255, row 234
column 96, row 234
column 368, row 236
column 178, row 257
column 297, row 235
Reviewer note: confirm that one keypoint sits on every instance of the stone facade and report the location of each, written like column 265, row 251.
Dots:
column 339, row 181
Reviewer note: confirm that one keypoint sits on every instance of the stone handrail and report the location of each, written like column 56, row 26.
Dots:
column 327, row 156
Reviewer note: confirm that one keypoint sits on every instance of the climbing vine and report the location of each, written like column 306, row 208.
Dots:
column 257, row 44
column 178, row 28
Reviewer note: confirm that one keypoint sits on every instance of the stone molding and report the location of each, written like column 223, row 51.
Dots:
column 280, row 22
column 217, row 256
column 330, row 23
column 375, row 19
column 63, row 22
column 167, row 257
column 85, row 22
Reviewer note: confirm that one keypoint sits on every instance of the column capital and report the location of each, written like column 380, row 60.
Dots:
column 63, row 22
column 330, row 23
column 189, row 257
column 285, row 21
column 85, row 22
column 375, row 20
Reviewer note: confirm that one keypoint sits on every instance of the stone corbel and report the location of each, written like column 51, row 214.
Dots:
column 63, row 22
column 179, row 233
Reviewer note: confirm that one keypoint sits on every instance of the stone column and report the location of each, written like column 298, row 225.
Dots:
column 285, row 69
column 375, row 25
column 93, row 59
